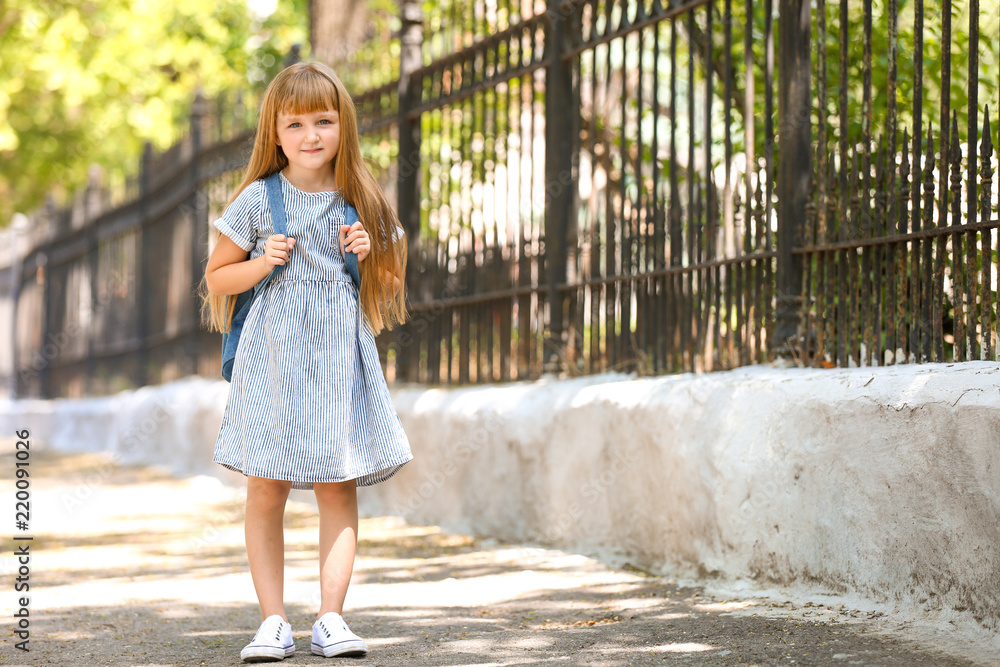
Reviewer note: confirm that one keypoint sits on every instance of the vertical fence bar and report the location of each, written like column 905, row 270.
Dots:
column 658, row 286
column 894, row 249
column 852, row 215
column 903, row 306
column 713, row 306
column 524, row 258
column 882, row 264
column 639, row 246
column 679, row 337
column 767, row 276
column 917, row 296
column 477, row 251
column 576, row 298
column 752, row 239
column 199, row 224
column 560, row 147
column 958, row 262
column 841, row 216
column 944, row 138
column 985, row 212
column 971, row 202
column 694, row 285
column 495, row 263
column 596, row 359
column 928, row 329
column 93, row 264
column 443, row 159
column 466, row 237
column 409, row 174
column 823, row 182
column 440, row 280
column 794, row 97
column 44, row 282
column 865, row 228
column 830, row 260
column 732, row 328
column 623, row 287
column 143, row 282
column 612, row 267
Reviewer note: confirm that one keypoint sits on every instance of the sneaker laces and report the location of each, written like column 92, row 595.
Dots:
column 277, row 633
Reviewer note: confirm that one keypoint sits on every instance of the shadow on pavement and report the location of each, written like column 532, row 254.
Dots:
column 143, row 569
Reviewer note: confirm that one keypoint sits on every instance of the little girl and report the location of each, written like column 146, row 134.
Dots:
column 308, row 407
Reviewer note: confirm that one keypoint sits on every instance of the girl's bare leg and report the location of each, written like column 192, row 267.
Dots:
column 265, row 536
column 338, row 541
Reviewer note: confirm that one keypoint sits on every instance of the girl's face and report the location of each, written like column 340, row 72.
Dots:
column 310, row 141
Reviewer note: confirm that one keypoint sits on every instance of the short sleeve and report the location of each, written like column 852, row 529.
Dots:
column 397, row 233
column 241, row 219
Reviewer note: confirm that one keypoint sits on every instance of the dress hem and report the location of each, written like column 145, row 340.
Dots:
column 378, row 475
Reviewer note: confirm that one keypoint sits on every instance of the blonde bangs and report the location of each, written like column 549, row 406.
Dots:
column 307, row 92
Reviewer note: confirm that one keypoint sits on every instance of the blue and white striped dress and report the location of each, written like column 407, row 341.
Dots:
column 308, row 401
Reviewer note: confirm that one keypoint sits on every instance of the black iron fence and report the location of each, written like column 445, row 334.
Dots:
column 658, row 188
column 106, row 294
column 607, row 185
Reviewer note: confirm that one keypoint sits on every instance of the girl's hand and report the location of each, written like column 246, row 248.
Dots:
column 355, row 239
column 277, row 249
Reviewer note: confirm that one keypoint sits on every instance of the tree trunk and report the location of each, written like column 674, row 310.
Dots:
column 337, row 28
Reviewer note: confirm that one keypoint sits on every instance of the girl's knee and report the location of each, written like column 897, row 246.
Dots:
column 260, row 489
column 336, row 491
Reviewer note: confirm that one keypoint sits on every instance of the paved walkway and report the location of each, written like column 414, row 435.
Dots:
column 132, row 567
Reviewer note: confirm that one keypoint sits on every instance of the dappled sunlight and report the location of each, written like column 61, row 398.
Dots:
column 147, row 572
column 389, row 641
column 724, row 606
column 670, row 616
column 213, row 633
column 72, row 635
column 681, row 648
column 640, row 603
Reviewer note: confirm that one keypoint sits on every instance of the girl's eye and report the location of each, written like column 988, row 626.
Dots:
column 294, row 124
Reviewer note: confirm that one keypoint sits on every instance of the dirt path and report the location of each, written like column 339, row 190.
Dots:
column 132, row 567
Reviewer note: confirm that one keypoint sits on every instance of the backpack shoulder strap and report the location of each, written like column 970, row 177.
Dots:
column 230, row 339
column 276, row 203
column 351, row 259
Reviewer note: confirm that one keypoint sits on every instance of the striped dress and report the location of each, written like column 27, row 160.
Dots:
column 308, row 401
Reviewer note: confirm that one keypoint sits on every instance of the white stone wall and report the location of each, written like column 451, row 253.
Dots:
column 883, row 483
column 879, row 482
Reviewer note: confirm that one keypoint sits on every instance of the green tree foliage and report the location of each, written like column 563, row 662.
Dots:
column 90, row 82
column 986, row 76
column 693, row 44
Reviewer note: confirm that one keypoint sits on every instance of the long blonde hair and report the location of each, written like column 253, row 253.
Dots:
column 305, row 88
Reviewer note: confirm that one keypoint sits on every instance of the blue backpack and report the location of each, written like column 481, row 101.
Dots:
column 231, row 338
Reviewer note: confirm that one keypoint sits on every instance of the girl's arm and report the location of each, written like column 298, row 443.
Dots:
column 392, row 275
column 230, row 272
column 395, row 279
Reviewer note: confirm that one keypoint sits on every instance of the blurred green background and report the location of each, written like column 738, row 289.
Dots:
column 90, row 82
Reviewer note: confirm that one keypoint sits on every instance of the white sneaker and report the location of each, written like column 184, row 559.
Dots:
column 272, row 642
column 331, row 637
